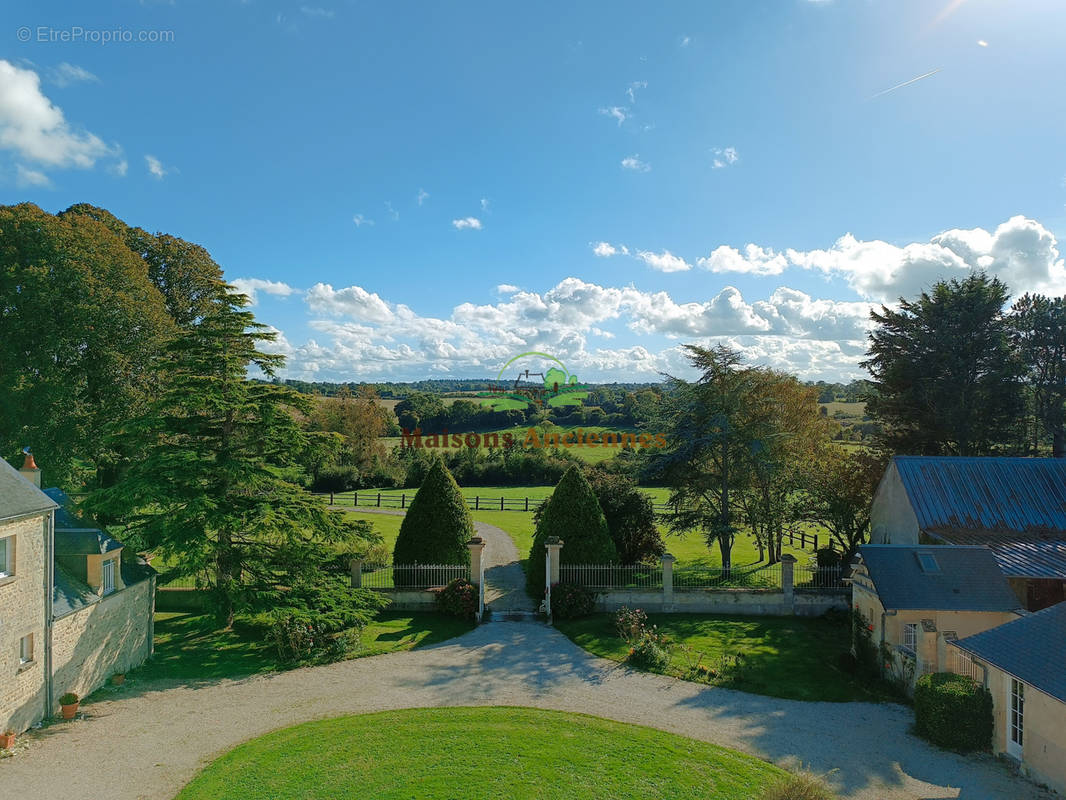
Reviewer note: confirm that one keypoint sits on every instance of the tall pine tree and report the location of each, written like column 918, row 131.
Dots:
column 209, row 494
column 946, row 380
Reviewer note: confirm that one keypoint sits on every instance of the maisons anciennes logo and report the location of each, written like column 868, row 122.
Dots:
column 555, row 387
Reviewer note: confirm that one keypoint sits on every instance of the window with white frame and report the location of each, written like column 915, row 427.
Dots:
column 26, row 649
column 107, row 576
column 7, row 556
column 910, row 637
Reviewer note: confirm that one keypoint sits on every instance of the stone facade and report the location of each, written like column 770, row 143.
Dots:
column 22, row 613
column 892, row 518
column 113, row 635
column 931, row 653
column 1043, row 756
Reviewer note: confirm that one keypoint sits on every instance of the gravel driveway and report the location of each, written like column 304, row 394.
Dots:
column 149, row 739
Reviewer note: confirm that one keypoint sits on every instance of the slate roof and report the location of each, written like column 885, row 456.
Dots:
column 69, row 594
column 1032, row 649
column 968, row 578
column 19, row 497
column 74, row 536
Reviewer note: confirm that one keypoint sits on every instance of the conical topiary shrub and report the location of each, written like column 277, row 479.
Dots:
column 436, row 528
column 574, row 515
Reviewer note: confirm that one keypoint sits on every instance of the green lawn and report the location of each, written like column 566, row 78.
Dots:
column 487, row 753
column 790, row 657
column 191, row 647
column 388, row 525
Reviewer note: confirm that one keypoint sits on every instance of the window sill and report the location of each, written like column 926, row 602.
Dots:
column 7, row 578
column 28, row 665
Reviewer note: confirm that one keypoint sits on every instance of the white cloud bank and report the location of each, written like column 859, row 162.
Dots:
column 365, row 335
column 1021, row 251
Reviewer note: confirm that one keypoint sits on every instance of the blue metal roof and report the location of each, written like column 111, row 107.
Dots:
column 1032, row 649
column 1020, row 495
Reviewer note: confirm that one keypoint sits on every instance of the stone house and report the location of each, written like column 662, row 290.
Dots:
column 1022, row 665
column 73, row 609
column 917, row 599
column 1014, row 506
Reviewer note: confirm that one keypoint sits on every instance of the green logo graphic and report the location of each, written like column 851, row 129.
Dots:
column 556, row 386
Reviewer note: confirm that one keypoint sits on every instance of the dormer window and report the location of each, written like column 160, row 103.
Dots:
column 107, row 576
column 927, row 561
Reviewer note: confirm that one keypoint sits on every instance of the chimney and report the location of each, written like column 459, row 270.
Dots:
column 30, row 471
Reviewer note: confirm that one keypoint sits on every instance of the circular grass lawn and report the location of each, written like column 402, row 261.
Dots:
column 490, row 752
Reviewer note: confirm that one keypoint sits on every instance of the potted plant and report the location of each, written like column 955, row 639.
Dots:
column 118, row 679
column 7, row 740
column 69, row 703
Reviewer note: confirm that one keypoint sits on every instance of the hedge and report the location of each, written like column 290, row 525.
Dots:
column 437, row 525
column 573, row 514
column 953, row 711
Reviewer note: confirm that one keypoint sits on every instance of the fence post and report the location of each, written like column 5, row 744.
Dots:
column 477, row 571
column 788, row 563
column 403, row 501
column 668, row 582
column 477, row 503
column 527, row 504
column 501, row 504
column 553, row 545
column 816, row 542
column 357, row 573
column 331, row 497
column 379, row 499
column 355, row 499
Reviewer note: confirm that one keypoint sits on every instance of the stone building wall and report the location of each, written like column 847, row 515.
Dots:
column 22, row 687
column 113, row 635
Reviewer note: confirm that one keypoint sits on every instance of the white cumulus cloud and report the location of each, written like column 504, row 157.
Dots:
column 467, row 223
column 35, row 129
column 252, row 287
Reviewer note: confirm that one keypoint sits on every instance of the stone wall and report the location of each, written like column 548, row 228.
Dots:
column 754, row 602
column 22, row 612
column 412, row 600
column 113, row 635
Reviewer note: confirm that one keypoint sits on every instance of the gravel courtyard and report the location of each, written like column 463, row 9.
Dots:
column 149, row 739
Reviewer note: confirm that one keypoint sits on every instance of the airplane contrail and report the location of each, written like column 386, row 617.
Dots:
column 906, row 83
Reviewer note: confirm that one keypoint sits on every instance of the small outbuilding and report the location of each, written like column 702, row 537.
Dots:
column 1023, row 664
column 916, row 599
column 1014, row 506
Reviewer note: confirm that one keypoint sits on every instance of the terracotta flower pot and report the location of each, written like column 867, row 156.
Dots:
column 7, row 741
column 70, row 710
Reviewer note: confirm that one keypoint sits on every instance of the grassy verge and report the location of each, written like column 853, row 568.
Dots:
column 191, row 647
column 791, row 657
column 432, row 754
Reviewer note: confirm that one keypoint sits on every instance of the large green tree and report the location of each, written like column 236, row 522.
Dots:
column 946, row 379
column 184, row 273
column 838, row 491
column 712, row 427
column 629, row 514
column 80, row 325
column 208, row 495
column 1038, row 327
column 572, row 514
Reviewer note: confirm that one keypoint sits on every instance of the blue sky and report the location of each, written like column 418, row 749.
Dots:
column 417, row 189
